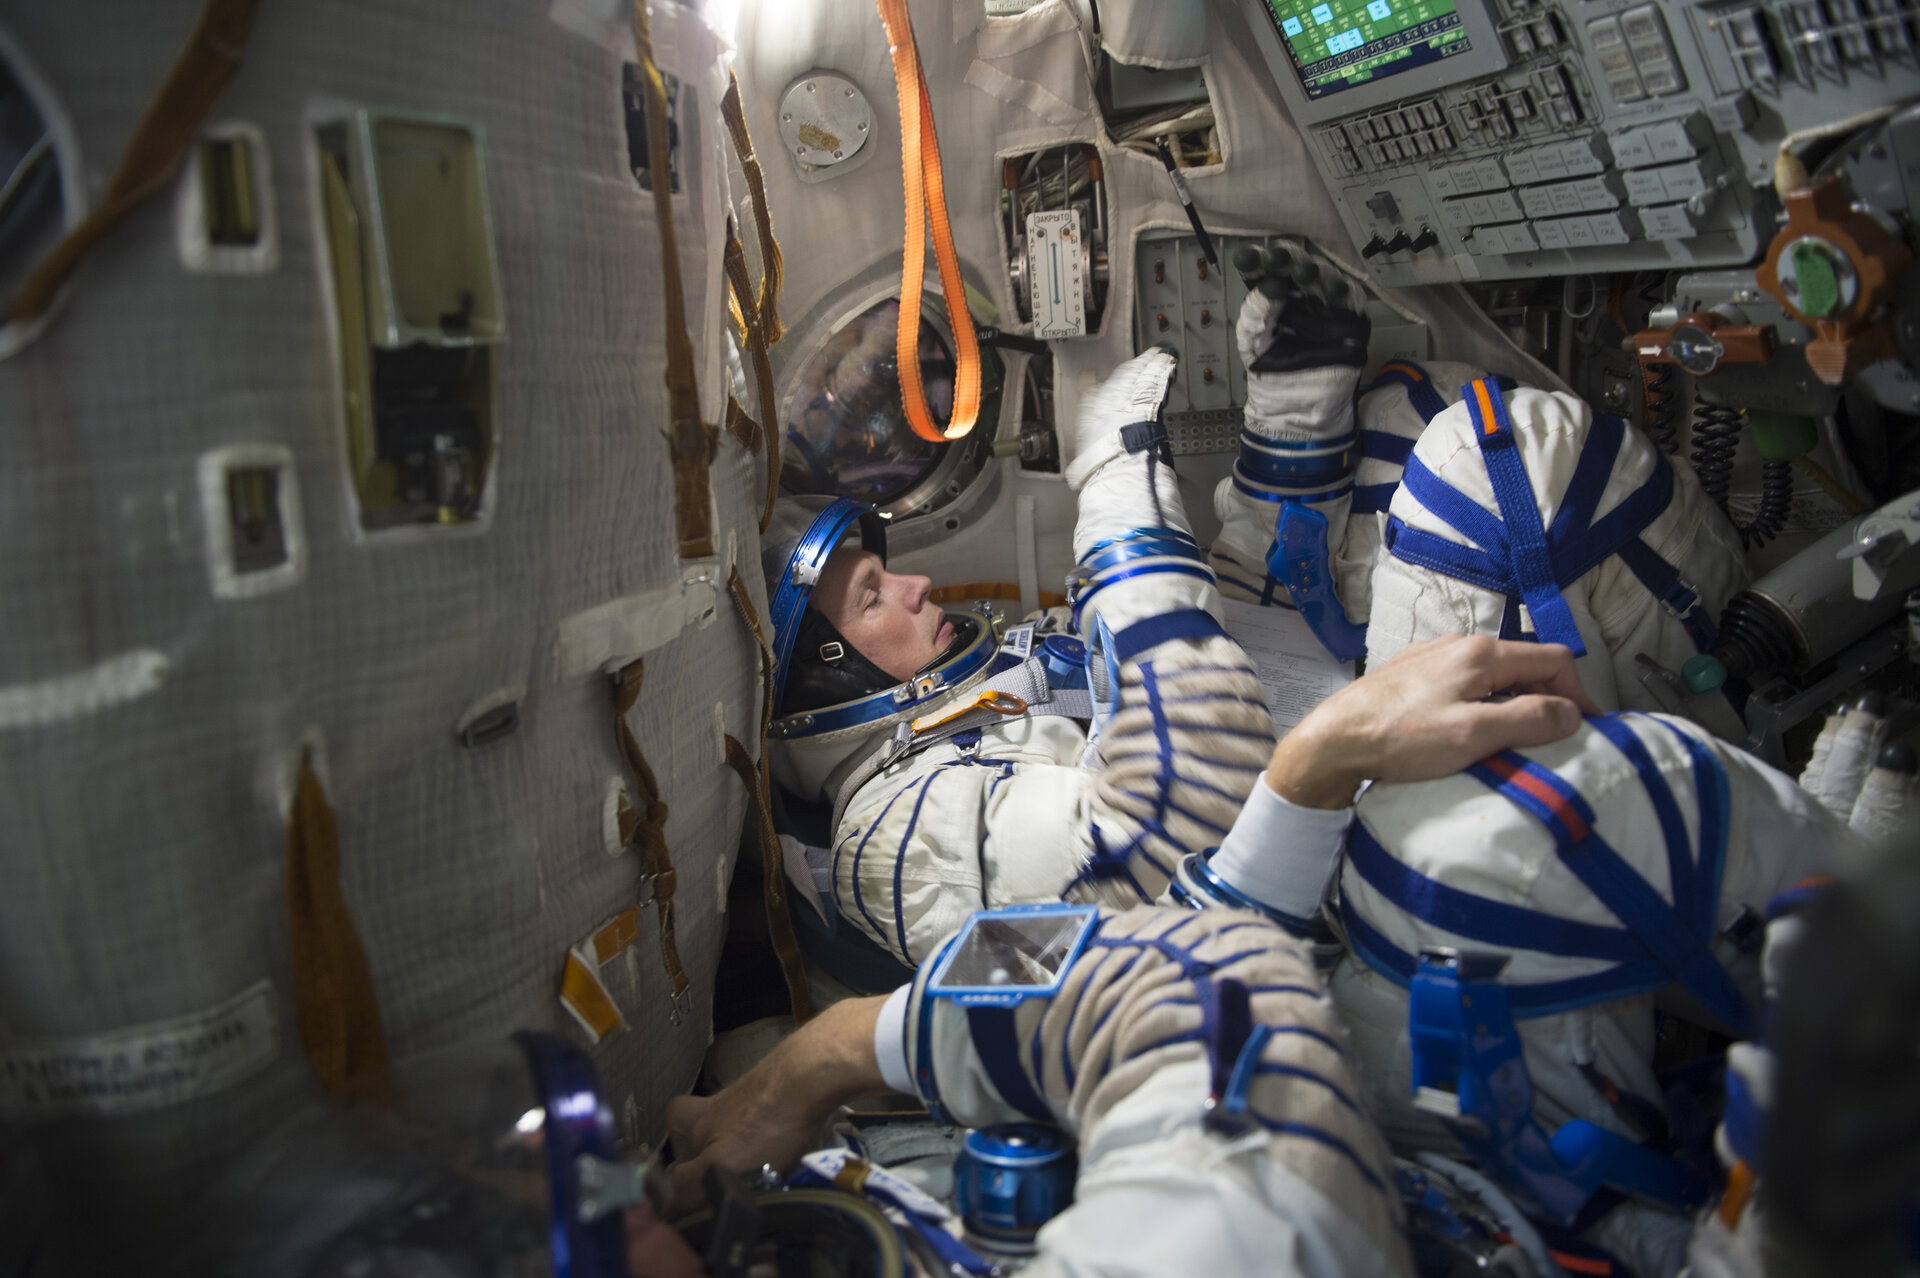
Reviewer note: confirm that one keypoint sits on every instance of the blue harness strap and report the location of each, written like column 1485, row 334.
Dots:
column 1659, row 943
column 1526, row 537
column 1426, row 401
column 1513, row 555
column 1394, row 450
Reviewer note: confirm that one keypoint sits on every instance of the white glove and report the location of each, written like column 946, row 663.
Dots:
column 1120, row 490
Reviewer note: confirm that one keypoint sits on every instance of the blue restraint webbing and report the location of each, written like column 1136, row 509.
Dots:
column 1187, row 623
column 1425, row 400
column 1532, row 561
column 1660, row 944
column 1573, row 546
column 1378, row 445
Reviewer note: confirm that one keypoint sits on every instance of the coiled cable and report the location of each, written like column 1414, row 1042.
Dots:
column 1660, row 404
column 1716, row 434
column 1776, row 503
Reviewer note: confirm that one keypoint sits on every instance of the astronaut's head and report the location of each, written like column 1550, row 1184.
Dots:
column 845, row 628
column 889, row 618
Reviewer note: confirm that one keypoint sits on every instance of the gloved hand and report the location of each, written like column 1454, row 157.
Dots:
column 1302, row 336
column 1127, row 488
column 1120, row 489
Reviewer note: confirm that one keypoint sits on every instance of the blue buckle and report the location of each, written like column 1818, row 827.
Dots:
column 1470, row 1071
column 1300, row 560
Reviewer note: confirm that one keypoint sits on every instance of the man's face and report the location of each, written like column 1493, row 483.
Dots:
column 888, row 617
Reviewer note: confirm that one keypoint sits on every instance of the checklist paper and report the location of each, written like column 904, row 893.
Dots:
column 1296, row 672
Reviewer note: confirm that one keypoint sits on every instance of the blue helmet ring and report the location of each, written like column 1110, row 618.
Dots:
column 789, row 596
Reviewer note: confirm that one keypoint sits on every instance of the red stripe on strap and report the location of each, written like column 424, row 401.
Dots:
column 1556, row 803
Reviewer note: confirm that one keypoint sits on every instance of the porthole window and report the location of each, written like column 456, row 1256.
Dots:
column 847, row 431
column 42, row 193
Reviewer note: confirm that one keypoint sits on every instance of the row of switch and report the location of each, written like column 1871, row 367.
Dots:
column 1412, row 147
column 1401, row 242
column 1529, row 37
column 1656, row 144
column 1592, row 230
column 1636, row 55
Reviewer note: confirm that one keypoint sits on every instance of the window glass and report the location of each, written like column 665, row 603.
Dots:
column 847, row 431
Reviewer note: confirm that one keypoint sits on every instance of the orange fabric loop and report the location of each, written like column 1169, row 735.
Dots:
column 926, row 202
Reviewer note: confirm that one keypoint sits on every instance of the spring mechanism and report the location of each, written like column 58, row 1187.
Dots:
column 1776, row 503
column 1660, row 401
column 1753, row 641
column 1716, row 434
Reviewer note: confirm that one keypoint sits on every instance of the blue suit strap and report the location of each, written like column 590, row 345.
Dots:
column 1713, row 800
column 1455, row 509
column 1677, row 596
column 1186, row 623
column 1540, row 998
column 1426, row 401
column 996, row 1039
column 1423, row 549
column 1533, row 566
column 1477, row 918
column 1371, row 499
column 1667, row 938
column 1384, row 446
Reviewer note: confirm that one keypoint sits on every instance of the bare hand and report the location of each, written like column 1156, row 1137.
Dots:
column 1427, row 714
column 776, row 1112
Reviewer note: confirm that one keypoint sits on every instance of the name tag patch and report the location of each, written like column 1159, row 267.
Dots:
column 144, row 1068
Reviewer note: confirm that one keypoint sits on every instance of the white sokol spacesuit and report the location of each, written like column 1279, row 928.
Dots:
column 943, row 803
column 1198, row 1062
column 1625, row 869
column 1423, row 516
column 1522, row 513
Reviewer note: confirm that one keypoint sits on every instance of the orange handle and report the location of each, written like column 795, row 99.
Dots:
column 926, row 201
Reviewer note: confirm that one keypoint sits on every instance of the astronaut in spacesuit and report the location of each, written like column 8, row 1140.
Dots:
column 950, row 780
column 1292, row 1176
column 1608, row 867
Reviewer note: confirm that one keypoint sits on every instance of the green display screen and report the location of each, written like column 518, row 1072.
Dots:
column 1340, row 44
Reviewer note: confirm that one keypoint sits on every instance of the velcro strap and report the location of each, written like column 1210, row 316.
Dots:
column 1138, row 437
column 1187, row 623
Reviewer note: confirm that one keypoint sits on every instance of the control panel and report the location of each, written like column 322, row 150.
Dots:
column 1612, row 135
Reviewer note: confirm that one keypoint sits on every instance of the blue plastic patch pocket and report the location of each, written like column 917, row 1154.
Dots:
column 1003, row 957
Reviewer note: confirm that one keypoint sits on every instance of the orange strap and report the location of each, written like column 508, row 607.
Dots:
column 643, row 825
column 754, row 339
column 926, row 201
column 333, row 994
column 786, row 946
column 689, row 445
column 164, row 133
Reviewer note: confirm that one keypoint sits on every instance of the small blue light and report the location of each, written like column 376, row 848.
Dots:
column 1322, row 14
column 1379, row 10
column 1293, row 26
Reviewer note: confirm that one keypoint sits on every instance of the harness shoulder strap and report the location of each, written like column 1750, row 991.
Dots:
column 1533, row 566
column 1426, row 401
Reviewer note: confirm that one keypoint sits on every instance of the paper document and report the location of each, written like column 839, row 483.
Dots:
column 1297, row 673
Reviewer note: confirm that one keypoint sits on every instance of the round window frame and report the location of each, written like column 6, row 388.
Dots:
column 936, row 488
column 14, row 336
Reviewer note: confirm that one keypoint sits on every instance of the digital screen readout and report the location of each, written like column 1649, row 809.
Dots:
column 1341, row 44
